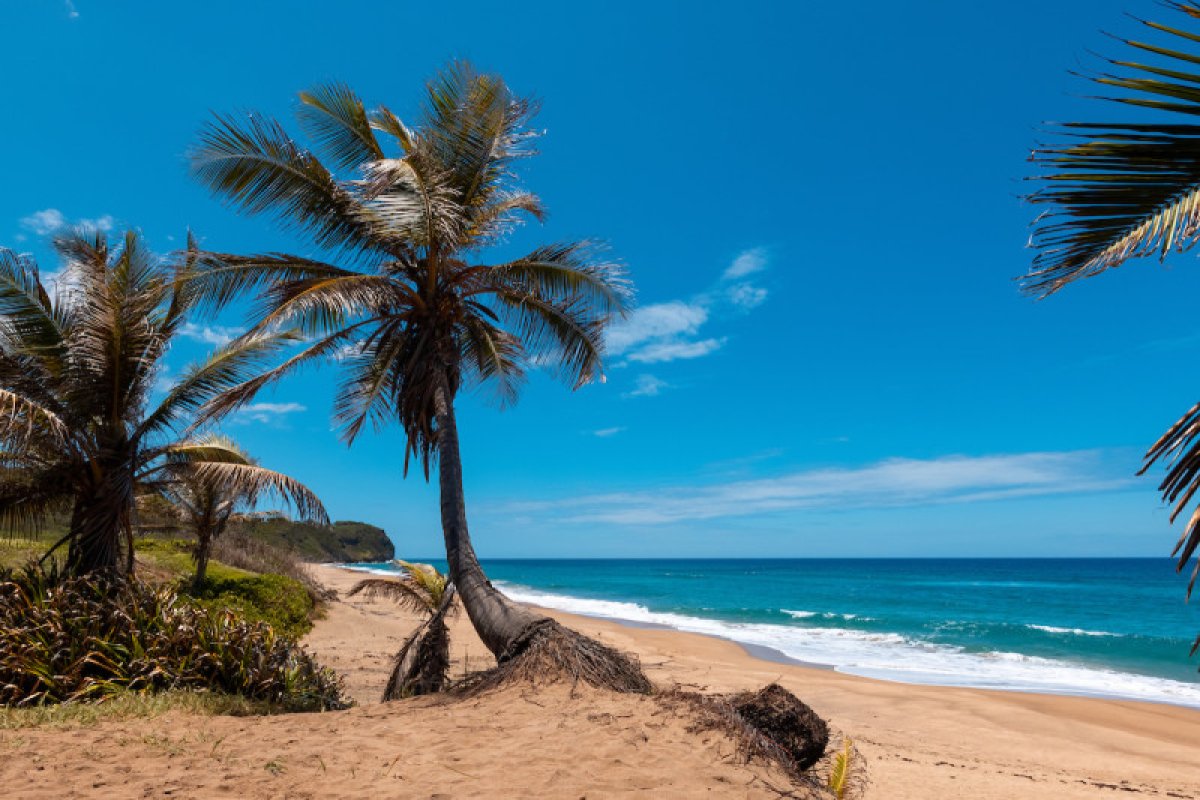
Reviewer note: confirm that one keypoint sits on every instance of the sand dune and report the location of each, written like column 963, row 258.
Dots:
column 564, row 742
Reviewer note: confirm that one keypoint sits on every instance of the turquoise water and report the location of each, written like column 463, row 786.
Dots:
column 1111, row 627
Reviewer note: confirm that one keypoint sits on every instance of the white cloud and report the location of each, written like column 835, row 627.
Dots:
column 668, row 331
column 647, row 386
column 747, row 263
column 266, row 412
column 209, row 334
column 43, row 222
column 673, row 351
column 72, row 12
column 746, row 296
column 50, row 220
column 604, row 433
column 655, row 322
column 890, row 483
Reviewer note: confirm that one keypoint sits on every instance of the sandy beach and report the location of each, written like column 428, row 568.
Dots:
column 570, row 742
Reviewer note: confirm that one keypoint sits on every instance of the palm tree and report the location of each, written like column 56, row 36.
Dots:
column 1124, row 190
column 78, row 366
column 411, row 311
column 208, row 498
column 422, row 664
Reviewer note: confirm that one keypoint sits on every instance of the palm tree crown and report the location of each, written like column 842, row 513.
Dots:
column 78, row 366
column 410, row 310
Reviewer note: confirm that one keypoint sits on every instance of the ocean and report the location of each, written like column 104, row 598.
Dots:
column 1101, row 627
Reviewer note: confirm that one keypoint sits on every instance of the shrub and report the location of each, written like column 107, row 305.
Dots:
column 279, row 601
column 91, row 638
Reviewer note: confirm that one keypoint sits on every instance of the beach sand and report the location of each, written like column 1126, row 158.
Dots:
column 564, row 742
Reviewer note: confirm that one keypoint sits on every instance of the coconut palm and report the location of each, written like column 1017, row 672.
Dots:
column 422, row 664
column 1124, row 190
column 412, row 311
column 207, row 499
column 79, row 363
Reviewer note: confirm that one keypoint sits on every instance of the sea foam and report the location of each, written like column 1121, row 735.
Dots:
column 890, row 656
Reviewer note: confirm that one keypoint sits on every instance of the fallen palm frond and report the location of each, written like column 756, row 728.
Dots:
column 839, row 772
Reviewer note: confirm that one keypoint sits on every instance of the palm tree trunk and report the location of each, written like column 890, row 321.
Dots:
column 496, row 619
column 96, row 527
column 203, row 549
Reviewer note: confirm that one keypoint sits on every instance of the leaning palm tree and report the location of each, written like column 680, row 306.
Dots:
column 422, row 665
column 207, row 497
column 1119, row 191
column 79, row 361
column 411, row 310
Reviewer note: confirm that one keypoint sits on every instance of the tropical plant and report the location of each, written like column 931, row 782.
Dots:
column 412, row 312
column 95, row 637
column 422, row 665
column 840, row 770
column 79, row 363
column 208, row 499
column 1118, row 191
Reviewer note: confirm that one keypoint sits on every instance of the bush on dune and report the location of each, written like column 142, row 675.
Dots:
column 65, row 640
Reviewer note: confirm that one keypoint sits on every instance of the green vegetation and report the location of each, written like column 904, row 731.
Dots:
column 131, row 705
column 88, row 638
column 281, row 602
column 341, row 542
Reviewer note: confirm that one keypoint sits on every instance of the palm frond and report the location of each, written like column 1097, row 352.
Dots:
column 493, row 357
column 219, row 278
column 1120, row 191
column 257, row 167
column 234, row 397
column 477, row 127
column 241, row 360
column 403, row 592
column 1180, row 447
column 567, row 271
column 568, row 336
column 249, row 482
column 334, row 118
column 24, row 422
column 29, row 324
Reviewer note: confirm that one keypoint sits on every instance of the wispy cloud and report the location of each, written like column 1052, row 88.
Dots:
column 72, row 12
column 647, row 386
column 604, row 433
column 670, row 331
column 50, row 220
column 219, row 335
column 890, row 483
column 656, row 352
column 266, row 413
column 656, row 323
column 747, row 262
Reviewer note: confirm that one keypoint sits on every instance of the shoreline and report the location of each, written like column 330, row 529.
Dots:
column 528, row 595
column 917, row 740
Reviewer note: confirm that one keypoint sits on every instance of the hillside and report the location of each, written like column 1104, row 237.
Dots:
column 342, row 542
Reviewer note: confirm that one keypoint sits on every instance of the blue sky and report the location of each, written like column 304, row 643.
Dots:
column 819, row 204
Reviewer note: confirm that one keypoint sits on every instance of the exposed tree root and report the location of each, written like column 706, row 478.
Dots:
column 547, row 652
column 769, row 726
